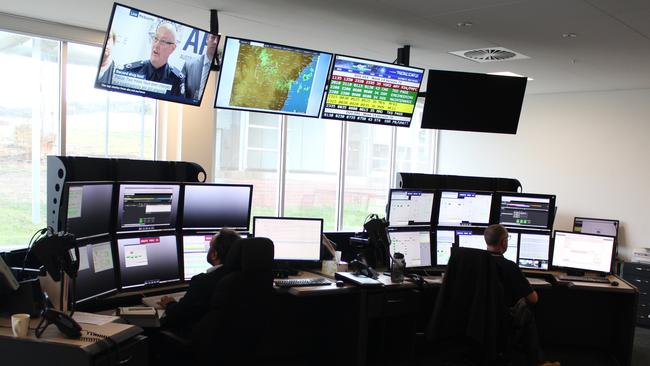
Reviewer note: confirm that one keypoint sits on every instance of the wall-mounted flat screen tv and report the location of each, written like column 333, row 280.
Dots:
column 267, row 77
column 152, row 56
column 369, row 91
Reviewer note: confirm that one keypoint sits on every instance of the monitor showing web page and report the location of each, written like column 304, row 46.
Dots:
column 294, row 239
column 526, row 210
column 409, row 207
column 146, row 207
column 415, row 245
column 595, row 226
column 475, row 239
column 195, row 254
column 148, row 260
column 444, row 242
column 464, row 208
column 534, row 250
column 584, row 252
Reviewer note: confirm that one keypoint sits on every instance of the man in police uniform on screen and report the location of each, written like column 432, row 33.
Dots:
column 163, row 44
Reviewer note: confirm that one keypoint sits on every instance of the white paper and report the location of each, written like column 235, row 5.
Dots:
column 90, row 318
column 102, row 257
column 74, row 202
column 135, row 256
column 83, row 258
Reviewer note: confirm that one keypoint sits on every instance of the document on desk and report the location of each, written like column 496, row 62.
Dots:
column 96, row 319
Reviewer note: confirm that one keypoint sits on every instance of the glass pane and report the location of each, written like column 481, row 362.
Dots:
column 101, row 123
column 29, row 125
column 415, row 147
column 367, row 173
column 247, row 152
column 313, row 159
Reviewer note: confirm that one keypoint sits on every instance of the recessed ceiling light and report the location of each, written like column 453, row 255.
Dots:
column 509, row 73
column 464, row 24
column 569, row 35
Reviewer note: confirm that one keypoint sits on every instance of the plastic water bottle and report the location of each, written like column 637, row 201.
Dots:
column 397, row 268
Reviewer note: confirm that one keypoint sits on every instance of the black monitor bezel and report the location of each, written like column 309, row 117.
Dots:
column 63, row 207
column 569, row 269
column 295, row 218
column 329, row 80
column 139, row 234
column 394, row 229
column 433, row 204
column 241, row 109
column 496, row 209
column 181, row 207
column 438, row 201
column 119, row 199
column 110, row 239
column 156, row 96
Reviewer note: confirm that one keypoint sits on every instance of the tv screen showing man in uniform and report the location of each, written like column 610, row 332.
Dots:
column 152, row 56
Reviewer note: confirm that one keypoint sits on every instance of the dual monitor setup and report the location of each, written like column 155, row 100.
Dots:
column 135, row 234
column 425, row 224
column 149, row 55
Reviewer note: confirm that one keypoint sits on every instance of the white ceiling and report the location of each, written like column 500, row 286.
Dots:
column 611, row 50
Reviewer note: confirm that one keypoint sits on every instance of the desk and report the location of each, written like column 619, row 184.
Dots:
column 54, row 346
column 578, row 314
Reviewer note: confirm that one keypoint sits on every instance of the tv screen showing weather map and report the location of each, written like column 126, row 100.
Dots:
column 151, row 56
column 266, row 77
column 368, row 91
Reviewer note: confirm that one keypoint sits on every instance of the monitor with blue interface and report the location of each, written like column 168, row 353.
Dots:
column 87, row 207
column 152, row 56
column 217, row 206
column 410, row 207
column 362, row 90
column 583, row 252
column 147, row 207
column 445, row 240
column 96, row 276
column 414, row 243
column 148, row 260
column 474, row 238
column 294, row 239
column 266, row 77
column 459, row 208
column 526, row 210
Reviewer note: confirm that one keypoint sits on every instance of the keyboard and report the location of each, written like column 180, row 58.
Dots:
column 298, row 282
column 584, row 279
column 153, row 300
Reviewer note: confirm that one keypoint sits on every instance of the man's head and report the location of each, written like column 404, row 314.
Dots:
column 163, row 44
column 212, row 43
column 220, row 246
column 496, row 238
column 106, row 58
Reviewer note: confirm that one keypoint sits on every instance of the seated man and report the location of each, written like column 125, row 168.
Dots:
column 182, row 315
column 517, row 292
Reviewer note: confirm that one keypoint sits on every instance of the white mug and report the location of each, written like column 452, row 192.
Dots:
column 20, row 324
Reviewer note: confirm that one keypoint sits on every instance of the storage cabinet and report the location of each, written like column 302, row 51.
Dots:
column 638, row 274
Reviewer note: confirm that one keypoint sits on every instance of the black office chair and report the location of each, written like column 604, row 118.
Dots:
column 470, row 323
column 231, row 332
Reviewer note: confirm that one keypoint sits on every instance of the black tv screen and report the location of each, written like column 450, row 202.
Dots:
column 266, row 77
column 369, row 91
column 217, row 206
column 152, row 56
column 464, row 101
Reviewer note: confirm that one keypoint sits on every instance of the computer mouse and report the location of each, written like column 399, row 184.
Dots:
column 340, row 283
column 614, row 283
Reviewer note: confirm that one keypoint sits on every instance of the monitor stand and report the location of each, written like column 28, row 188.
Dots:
column 283, row 270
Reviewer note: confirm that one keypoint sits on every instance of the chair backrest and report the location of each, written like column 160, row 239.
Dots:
column 470, row 305
column 241, row 305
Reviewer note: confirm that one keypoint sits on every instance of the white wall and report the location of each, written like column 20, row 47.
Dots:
column 590, row 149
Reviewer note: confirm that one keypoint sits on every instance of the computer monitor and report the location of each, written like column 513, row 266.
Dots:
column 266, row 77
column 534, row 249
column 195, row 254
column 459, row 208
column 475, row 238
column 148, row 260
column 410, row 207
column 152, row 56
column 86, row 208
column 362, row 90
column 96, row 275
column 294, row 239
column 583, row 252
column 526, row 210
column 415, row 244
column 445, row 240
column 586, row 225
column 147, row 207
column 217, row 206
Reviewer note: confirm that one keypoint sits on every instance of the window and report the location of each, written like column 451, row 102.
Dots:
column 308, row 172
column 97, row 123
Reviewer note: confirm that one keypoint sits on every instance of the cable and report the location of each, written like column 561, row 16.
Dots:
column 29, row 246
column 91, row 336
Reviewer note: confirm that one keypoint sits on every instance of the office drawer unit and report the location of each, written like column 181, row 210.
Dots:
column 638, row 274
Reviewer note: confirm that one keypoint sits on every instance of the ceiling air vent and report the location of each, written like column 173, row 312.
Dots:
column 491, row 54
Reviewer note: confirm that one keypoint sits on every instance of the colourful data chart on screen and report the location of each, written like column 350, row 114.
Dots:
column 373, row 92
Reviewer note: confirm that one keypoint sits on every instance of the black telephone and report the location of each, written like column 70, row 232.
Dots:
column 361, row 267
column 63, row 322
